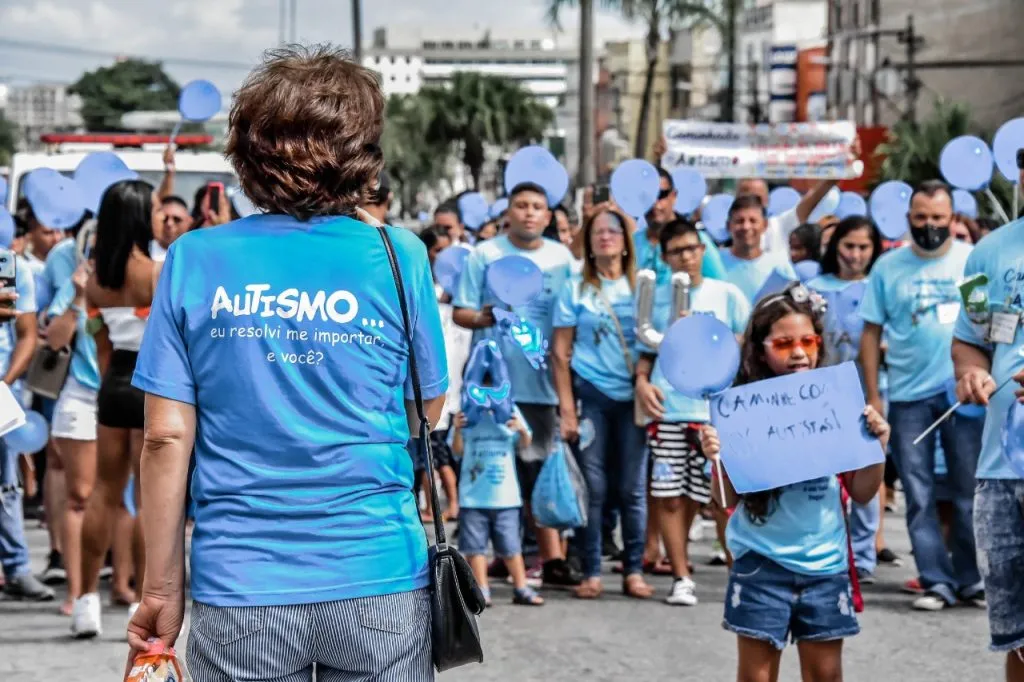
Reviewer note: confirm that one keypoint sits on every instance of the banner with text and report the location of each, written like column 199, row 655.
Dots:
column 769, row 151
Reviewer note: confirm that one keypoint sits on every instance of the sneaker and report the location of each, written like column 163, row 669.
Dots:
column 929, row 601
column 683, row 593
column 697, row 529
column 912, row 586
column 27, row 587
column 85, row 617
column 559, row 573
column 976, row 600
column 889, row 557
column 865, row 577
column 54, row 573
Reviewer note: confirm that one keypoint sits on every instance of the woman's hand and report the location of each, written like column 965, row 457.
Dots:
column 80, row 277
column 652, row 400
column 710, row 445
column 570, row 426
column 158, row 617
column 460, row 420
column 877, row 426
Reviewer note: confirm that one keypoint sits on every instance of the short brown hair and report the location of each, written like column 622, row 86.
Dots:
column 305, row 130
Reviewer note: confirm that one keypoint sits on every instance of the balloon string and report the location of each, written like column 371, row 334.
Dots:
column 174, row 134
column 995, row 204
column 946, row 415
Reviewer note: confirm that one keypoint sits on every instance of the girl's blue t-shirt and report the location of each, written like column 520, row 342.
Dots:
column 804, row 531
column 842, row 338
column 597, row 354
column 288, row 339
column 487, row 477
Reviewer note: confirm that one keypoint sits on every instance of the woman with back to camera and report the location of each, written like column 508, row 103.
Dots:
column 283, row 360
column 121, row 287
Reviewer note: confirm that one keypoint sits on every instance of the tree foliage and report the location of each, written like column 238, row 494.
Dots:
column 8, row 140
column 413, row 161
column 129, row 85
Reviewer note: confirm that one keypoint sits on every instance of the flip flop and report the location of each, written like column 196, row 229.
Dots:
column 527, row 596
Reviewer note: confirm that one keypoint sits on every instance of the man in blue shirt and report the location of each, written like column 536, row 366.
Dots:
column 747, row 264
column 912, row 295
column 982, row 358
column 532, row 389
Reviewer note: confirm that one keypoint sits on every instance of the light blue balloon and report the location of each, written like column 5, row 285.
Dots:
column 704, row 337
column 807, row 270
column 423, row 217
column 775, row 284
column 474, row 210
column 634, row 186
column 499, row 207
column 96, row 173
column 715, row 216
column 1013, row 438
column 889, row 205
column 1008, row 139
column 3, row 190
column 31, row 436
column 515, row 280
column 448, row 267
column 6, row 228
column 537, row 165
column 199, row 101
column 966, row 162
column 851, row 203
column 827, row 206
column 782, row 199
column 965, row 203
column 691, row 188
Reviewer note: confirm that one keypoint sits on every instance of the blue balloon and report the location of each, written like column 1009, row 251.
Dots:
column 96, row 173
column 1008, row 139
column 715, row 216
column 969, row 411
column 889, row 204
column 635, row 185
column 499, row 207
column 775, row 284
column 537, row 165
column 827, row 206
column 691, row 187
column 965, row 203
column 6, row 228
column 448, row 267
column 423, row 217
column 199, row 101
column 807, row 270
column 3, row 190
column 56, row 199
column 706, row 338
column 782, row 199
column 851, row 203
column 515, row 280
column 966, row 162
column 474, row 210
column 31, row 436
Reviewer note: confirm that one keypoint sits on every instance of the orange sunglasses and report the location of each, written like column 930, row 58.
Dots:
column 785, row 344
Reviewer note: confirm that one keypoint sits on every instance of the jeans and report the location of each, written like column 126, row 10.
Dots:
column 961, row 442
column 13, row 546
column 864, row 520
column 999, row 519
column 616, row 458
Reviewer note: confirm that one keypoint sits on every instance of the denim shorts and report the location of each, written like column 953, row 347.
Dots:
column 999, row 534
column 500, row 526
column 768, row 602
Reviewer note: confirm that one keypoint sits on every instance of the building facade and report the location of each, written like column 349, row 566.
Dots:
column 42, row 108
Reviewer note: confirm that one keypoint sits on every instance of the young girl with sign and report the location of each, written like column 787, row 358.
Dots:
column 790, row 577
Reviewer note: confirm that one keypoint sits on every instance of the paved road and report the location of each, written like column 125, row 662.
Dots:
column 613, row 639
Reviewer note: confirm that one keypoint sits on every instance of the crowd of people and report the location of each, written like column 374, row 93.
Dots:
column 255, row 374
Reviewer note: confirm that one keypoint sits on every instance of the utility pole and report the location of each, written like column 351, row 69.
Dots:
column 729, row 105
column 753, row 70
column 586, row 171
column 357, row 30
column 913, row 42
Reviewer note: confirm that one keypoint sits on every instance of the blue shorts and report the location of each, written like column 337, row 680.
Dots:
column 500, row 526
column 999, row 534
column 767, row 602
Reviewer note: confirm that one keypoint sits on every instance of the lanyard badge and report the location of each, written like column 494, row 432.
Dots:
column 1002, row 325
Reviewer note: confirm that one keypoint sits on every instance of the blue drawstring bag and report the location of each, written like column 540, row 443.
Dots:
column 560, row 495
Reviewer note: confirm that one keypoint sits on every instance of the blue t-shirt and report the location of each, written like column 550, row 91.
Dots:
column 597, row 354
column 294, row 354
column 841, row 343
column 648, row 257
column 916, row 300
column 60, row 265
column 713, row 297
column 804, row 531
column 85, row 367
column 750, row 275
column 999, row 255
column 25, row 288
column 488, row 472
column 529, row 385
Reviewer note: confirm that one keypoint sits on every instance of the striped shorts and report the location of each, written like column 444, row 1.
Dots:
column 384, row 638
column 677, row 463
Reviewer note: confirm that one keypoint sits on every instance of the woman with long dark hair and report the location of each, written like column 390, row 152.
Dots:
column 122, row 280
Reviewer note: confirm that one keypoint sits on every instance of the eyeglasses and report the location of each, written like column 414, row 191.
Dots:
column 784, row 344
column 663, row 193
column 684, row 250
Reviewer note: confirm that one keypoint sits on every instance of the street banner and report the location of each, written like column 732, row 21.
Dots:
column 768, row 150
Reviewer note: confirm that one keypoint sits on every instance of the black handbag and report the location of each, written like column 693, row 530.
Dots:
column 455, row 598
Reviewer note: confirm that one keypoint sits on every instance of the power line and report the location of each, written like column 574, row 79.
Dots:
column 33, row 46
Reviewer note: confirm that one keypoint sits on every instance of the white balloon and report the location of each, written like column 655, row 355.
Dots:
column 827, row 206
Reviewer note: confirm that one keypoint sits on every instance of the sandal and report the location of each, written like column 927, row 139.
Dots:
column 486, row 591
column 527, row 596
column 635, row 587
column 589, row 589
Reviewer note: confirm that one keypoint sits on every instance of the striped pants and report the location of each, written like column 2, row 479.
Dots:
column 371, row 639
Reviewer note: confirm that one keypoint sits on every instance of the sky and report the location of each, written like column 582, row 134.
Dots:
column 42, row 40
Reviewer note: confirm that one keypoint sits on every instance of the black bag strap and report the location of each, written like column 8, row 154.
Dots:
column 424, row 434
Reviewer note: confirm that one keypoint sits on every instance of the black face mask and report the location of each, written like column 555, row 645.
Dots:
column 930, row 237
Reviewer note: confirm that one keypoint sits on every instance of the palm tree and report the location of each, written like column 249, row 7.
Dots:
column 412, row 160
column 658, row 16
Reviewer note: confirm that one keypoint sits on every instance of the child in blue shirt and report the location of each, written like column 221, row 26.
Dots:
column 489, row 498
column 790, row 576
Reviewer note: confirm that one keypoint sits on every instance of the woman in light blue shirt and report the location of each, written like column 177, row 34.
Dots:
column 594, row 326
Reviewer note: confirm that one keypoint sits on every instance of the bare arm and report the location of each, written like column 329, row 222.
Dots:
column 652, row 400
column 431, row 407
column 166, row 188
column 973, row 367
column 468, row 318
column 870, row 360
column 561, row 355
column 811, row 200
column 25, row 329
column 62, row 328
